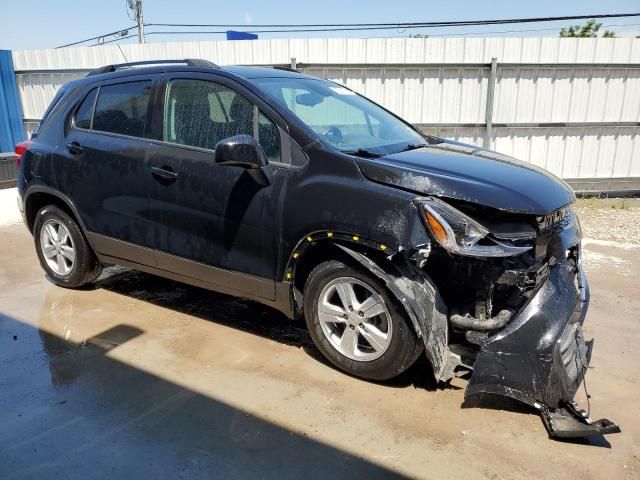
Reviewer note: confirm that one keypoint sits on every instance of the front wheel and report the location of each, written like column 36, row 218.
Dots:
column 62, row 249
column 356, row 325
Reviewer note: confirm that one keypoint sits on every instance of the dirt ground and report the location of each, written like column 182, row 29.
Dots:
column 146, row 378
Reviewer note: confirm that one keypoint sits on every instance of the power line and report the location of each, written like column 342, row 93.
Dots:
column 114, row 40
column 332, row 27
column 528, row 30
column 450, row 23
column 210, row 32
column 310, row 30
column 124, row 30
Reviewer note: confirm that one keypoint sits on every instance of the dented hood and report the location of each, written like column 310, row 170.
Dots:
column 465, row 172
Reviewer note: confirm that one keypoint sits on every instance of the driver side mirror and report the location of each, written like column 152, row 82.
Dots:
column 243, row 151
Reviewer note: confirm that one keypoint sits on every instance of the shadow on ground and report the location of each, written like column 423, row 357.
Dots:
column 247, row 316
column 72, row 411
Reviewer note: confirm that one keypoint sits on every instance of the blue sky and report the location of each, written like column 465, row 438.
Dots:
column 28, row 24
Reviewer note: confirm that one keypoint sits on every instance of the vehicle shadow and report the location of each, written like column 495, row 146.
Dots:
column 93, row 416
column 244, row 315
column 257, row 319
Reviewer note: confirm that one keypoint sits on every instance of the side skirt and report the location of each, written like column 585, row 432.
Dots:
column 268, row 292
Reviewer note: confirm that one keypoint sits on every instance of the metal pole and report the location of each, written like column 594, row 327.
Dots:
column 140, row 21
column 488, row 117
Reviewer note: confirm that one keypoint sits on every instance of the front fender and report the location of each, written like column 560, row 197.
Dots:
column 421, row 300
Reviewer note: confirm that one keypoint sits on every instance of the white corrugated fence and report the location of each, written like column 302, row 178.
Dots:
column 569, row 105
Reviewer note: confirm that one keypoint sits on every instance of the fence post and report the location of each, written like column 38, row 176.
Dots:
column 488, row 116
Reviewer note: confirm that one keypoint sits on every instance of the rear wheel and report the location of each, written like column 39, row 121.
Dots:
column 63, row 250
column 356, row 325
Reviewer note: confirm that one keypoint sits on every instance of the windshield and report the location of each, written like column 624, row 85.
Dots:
column 344, row 119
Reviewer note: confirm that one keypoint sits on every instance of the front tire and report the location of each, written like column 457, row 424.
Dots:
column 355, row 323
column 62, row 249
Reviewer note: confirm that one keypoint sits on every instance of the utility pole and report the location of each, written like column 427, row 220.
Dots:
column 140, row 21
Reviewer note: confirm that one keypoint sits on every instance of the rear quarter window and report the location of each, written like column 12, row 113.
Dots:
column 84, row 112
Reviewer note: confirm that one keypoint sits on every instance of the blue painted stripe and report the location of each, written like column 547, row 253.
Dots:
column 11, row 128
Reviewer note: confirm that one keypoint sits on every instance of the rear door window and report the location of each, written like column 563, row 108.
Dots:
column 122, row 108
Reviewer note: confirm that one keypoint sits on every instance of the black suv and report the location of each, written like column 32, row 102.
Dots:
column 301, row 194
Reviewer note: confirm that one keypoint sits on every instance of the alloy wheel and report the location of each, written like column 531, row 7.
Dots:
column 57, row 247
column 355, row 319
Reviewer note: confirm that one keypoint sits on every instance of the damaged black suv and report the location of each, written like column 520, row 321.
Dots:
column 303, row 195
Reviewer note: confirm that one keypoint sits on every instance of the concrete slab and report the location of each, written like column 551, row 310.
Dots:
column 146, row 378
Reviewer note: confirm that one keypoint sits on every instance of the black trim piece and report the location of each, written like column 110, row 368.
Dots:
column 61, row 196
column 234, row 281
column 104, row 245
column 281, row 302
column 216, row 278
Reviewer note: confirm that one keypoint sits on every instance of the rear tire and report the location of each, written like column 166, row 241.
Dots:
column 379, row 344
column 62, row 249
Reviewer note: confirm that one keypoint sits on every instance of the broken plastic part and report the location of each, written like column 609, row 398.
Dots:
column 570, row 421
column 424, row 306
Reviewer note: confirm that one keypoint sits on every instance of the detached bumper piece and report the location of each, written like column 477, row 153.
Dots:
column 569, row 421
column 540, row 358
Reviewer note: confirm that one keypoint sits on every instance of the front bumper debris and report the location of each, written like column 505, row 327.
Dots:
column 540, row 358
column 569, row 421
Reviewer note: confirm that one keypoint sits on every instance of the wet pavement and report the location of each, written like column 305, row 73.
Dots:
column 143, row 377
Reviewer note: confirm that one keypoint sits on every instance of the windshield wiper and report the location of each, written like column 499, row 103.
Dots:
column 361, row 152
column 413, row 146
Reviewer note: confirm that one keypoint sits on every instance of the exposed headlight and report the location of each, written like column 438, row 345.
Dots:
column 460, row 234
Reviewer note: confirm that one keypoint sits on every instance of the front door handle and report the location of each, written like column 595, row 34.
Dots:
column 165, row 173
column 74, row 148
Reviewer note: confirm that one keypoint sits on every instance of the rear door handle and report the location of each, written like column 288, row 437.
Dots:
column 165, row 173
column 74, row 148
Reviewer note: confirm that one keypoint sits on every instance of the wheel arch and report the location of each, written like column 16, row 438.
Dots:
column 420, row 299
column 38, row 196
column 319, row 246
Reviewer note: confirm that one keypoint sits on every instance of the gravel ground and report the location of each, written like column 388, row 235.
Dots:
column 610, row 219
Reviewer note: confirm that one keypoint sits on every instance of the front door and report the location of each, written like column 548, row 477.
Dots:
column 214, row 222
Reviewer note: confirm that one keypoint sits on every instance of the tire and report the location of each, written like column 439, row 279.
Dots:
column 392, row 356
column 80, row 266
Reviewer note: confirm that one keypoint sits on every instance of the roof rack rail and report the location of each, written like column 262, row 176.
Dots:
column 286, row 68
column 191, row 62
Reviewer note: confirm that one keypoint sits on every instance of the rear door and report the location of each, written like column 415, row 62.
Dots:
column 104, row 167
column 215, row 222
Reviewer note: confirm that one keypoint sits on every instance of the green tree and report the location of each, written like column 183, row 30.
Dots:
column 588, row 30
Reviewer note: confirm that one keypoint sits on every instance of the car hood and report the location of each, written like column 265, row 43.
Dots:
column 465, row 172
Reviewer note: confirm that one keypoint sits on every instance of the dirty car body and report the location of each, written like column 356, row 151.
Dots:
column 479, row 250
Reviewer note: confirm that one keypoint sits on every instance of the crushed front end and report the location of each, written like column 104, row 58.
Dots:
column 517, row 297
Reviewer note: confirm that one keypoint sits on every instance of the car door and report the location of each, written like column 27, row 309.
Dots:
column 103, row 167
column 214, row 222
